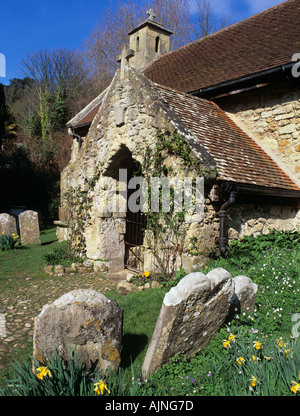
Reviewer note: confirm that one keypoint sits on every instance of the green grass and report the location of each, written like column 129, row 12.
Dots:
column 274, row 267
column 27, row 260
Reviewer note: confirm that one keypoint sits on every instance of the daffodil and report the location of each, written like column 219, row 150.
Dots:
column 255, row 359
column 288, row 351
column 257, row 345
column 253, row 381
column 43, row 372
column 296, row 387
column 100, row 387
column 279, row 342
column 226, row 343
column 146, row 274
column 240, row 360
column 231, row 337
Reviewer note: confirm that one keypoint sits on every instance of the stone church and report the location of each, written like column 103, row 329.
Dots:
column 233, row 98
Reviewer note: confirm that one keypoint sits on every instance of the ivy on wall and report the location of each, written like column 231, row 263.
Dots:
column 170, row 156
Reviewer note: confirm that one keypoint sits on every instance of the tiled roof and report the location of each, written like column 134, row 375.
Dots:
column 266, row 40
column 239, row 159
column 88, row 118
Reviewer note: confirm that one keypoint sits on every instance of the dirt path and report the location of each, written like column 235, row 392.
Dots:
column 20, row 305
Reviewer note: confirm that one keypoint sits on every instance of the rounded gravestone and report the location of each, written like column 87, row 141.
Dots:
column 84, row 319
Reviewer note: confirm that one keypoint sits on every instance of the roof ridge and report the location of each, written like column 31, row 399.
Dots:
column 273, row 165
column 230, row 27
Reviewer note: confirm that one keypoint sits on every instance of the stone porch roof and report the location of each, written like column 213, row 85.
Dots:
column 252, row 46
column 238, row 157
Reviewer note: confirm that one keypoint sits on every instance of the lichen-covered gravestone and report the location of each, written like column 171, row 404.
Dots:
column 8, row 224
column 29, row 227
column 84, row 319
column 191, row 314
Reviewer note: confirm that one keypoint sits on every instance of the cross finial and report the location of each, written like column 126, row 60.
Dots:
column 151, row 14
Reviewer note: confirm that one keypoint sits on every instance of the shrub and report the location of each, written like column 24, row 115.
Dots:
column 61, row 255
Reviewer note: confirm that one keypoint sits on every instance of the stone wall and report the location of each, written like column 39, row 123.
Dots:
column 132, row 112
column 256, row 218
column 271, row 114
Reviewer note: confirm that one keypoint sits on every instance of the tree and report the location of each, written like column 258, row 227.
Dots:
column 58, row 77
column 205, row 21
column 105, row 41
column 175, row 16
column 3, row 115
column 7, row 127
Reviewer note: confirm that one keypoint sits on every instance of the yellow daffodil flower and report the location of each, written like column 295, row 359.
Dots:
column 296, row 387
column 255, row 359
column 288, row 351
column 100, row 387
column 253, row 381
column 43, row 372
column 279, row 342
column 231, row 337
column 240, row 360
column 226, row 343
column 257, row 345
column 146, row 274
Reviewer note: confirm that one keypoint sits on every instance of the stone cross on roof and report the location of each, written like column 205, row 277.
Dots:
column 151, row 14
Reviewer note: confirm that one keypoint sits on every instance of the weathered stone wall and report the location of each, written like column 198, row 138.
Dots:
column 272, row 115
column 254, row 219
column 131, row 113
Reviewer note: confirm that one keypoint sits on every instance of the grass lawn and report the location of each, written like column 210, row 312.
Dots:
column 269, row 333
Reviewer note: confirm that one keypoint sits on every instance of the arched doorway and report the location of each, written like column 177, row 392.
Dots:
column 135, row 221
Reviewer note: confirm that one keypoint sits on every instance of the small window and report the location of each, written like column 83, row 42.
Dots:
column 138, row 44
column 157, row 41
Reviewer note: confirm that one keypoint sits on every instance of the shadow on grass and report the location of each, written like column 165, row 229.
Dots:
column 47, row 243
column 133, row 345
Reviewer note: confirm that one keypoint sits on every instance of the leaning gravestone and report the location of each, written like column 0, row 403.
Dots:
column 29, row 228
column 84, row 319
column 8, row 224
column 191, row 314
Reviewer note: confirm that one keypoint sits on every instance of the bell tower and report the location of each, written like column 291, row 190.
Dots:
column 146, row 42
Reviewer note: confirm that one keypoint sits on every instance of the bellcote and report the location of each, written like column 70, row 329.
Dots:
column 146, row 42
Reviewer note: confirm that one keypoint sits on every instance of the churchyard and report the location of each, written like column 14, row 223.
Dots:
column 251, row 351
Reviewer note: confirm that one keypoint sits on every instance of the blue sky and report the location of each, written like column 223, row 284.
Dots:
column 28, row 25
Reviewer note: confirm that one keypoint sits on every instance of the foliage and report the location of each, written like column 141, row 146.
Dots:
column 9, row 241
column 162, row 279
column 61, row 377
column 266, row 334
column 249, row 247
column 230, row 371
column 166, row 226
column 61, row 255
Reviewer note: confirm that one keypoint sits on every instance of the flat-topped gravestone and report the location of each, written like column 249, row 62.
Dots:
column 29, row 228
column 84, row 319
column 191, row 314
column 8, row 224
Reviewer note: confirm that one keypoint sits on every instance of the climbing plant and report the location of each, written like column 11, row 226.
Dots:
column 165, row 231
column 78, row 202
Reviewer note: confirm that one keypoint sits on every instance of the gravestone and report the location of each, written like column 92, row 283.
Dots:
column 29, row 227
column 191, row 314
column 84, row 319
column 8, row 224
column 2, row 326
column 245, row 293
